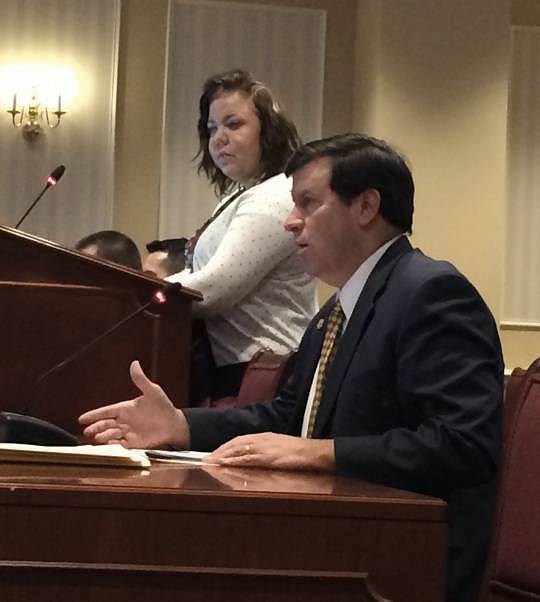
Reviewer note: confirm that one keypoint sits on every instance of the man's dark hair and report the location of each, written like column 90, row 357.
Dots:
column 278, row 137
column 113, row 246
column 358, row 163
column 175, row 248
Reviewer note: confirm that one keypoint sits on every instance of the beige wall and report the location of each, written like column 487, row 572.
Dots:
column 433, row 79
column 141, row 69
column 439, row 93
column 522, row 345
column 339, row 64
column 525, row 12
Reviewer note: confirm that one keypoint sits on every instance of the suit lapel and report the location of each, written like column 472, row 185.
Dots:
column 354, row 332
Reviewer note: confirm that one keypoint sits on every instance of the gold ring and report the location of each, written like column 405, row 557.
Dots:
column 248, row 449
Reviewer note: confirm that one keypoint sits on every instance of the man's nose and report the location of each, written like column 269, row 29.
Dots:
column 293, row 221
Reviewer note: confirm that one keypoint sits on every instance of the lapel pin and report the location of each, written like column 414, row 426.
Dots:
column 320, row 323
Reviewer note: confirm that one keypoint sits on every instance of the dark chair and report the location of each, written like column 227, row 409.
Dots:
column 513, row 572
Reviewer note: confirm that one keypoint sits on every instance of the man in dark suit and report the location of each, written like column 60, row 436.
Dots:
column 408, row 395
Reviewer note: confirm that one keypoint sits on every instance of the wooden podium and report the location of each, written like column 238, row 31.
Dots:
column 215, row 534
column 53, row 302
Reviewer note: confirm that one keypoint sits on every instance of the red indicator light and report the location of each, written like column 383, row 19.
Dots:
column 160, row 297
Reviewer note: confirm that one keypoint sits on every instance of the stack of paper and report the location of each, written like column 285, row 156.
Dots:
column 100, row 455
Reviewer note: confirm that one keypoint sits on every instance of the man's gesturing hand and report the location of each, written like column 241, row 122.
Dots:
column 148, row 421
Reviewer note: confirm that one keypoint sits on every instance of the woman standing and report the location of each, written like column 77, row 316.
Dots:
column 256, row 293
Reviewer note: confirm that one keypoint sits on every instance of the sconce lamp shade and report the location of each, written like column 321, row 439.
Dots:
column 37, row 94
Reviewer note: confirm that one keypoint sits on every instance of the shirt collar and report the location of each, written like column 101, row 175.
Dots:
column 350, row 292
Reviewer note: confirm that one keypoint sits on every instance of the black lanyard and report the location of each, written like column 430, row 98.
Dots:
column 192, row 243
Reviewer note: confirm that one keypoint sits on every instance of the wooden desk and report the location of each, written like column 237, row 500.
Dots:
column 182, row 533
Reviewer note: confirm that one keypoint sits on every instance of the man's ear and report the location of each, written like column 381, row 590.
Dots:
column 367, row 206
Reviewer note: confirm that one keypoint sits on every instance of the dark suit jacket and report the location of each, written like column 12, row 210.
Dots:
column 412, row 399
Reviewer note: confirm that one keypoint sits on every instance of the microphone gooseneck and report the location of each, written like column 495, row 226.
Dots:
column 51, row 181
column 159, row 297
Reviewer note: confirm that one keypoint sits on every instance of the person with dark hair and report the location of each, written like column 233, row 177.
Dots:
column 165, row 257
column 277, row 137
column 112, row 246
column 256, row 294
column 399, row 377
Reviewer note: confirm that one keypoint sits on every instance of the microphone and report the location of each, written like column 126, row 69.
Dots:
column 159, row 297
column 51, row 181
column 22, row 428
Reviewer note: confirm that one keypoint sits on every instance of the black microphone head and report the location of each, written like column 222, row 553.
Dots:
column 56, row 175
column 172, row 286
column 51, row 181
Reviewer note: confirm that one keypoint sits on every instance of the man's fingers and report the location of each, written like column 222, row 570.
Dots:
column 242, row 460
column 112, row 435
column 99, row 427
column 121, row 442
column 100, row 414
column 236, row 449
column 223, row 451
column 139, row 378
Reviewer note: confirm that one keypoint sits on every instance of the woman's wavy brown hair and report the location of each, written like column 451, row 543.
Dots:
column 278, row 137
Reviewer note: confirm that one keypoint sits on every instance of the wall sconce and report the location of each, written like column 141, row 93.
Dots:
column 31, row 113
column 38, row 96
